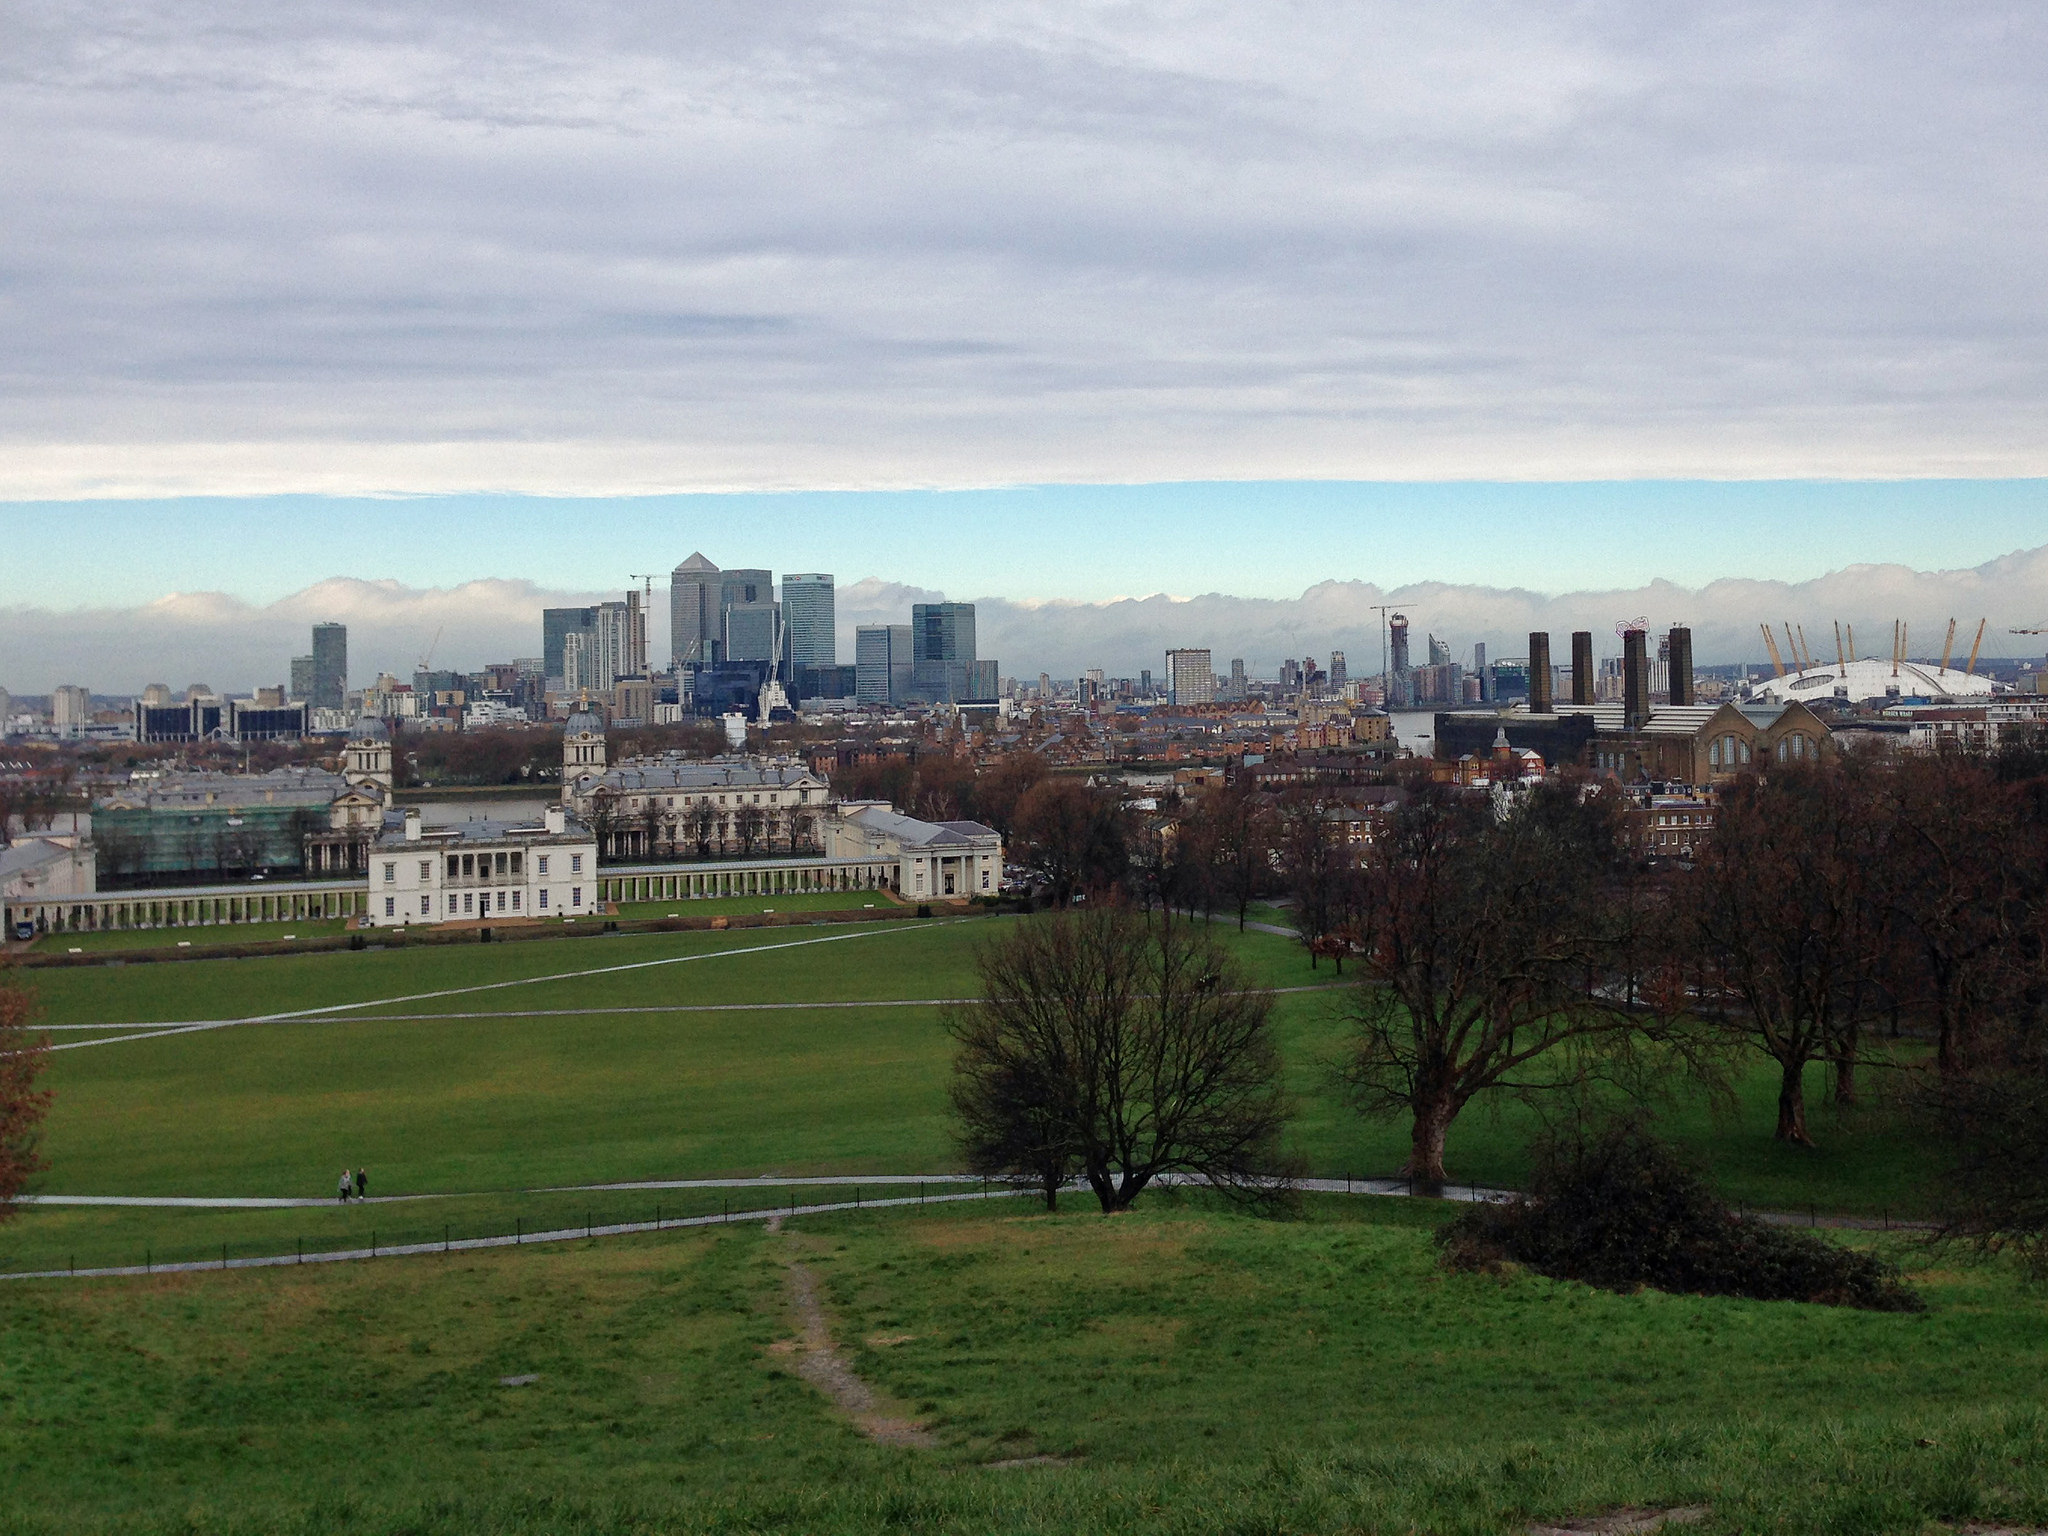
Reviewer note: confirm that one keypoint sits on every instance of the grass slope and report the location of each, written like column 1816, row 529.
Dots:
column 1203, row 1371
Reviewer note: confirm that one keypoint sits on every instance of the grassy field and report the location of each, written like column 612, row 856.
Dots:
column 1184, row 1370
column 487, row 1070
column 200, row 936
column 748, row 906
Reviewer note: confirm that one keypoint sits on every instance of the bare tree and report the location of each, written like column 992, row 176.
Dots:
column 22, row 1105
column 1121, row 1049
column 1074, row 836
column 1786, row 942
column 1318, row 871
column 1489, row 947
column 1242, row 835
column 702, row 821
column 748, row 824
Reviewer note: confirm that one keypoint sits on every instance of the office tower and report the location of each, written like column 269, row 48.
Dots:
column 1439, row 652
column 579, row 659
column 748, row 616
column 614, row 646
column 1239, row 688
column 1145, row 683
column 809, row 612
column 882, row 664
column 1290, row 674
column 330, row 666
column 1339, row 674
column 695, row 620
column 942, row 648
column 1398, row 628
column 556, row 625
column 302, row 681
column 1189, row 678
column 981, row 679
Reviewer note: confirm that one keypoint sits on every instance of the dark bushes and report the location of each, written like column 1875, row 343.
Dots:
column 1619, row 1210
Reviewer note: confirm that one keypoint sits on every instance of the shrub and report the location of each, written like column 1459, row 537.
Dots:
column 1618, row 1209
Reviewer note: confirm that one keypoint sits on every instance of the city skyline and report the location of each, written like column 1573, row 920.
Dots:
column 236, row 644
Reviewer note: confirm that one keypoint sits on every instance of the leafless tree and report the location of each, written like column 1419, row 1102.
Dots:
column 22, row 1105
column 1494, row 955
column 702, row 821
column 1786, row 939
column 1122, row 1050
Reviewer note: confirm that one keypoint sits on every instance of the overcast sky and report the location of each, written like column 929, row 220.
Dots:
column 607, row 249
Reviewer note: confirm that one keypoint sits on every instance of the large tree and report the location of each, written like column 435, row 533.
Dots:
column 1075, row 837
column 1122, row 1050
column 22, row 1105
column 1497, row 954
column 1786, row 940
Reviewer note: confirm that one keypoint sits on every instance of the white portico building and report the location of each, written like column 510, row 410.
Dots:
column 482, row 871
column 934, row 859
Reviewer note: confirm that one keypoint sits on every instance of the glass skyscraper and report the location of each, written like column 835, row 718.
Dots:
column 809, row 613
column 330, row 666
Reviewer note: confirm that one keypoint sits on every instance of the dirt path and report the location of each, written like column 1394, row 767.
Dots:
column 822, row 1363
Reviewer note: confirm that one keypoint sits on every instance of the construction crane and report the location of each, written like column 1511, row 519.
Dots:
column 1771, row 645
column 426, row 662
column 1948, row 646
column 647, row 584
column 1975, row 645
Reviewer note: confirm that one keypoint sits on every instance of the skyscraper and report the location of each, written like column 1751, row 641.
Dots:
column 618, row 647
column 809, row 613
column 1238, row 686
column 747, row 615
column 696, row 623
column 882, row 663
column 330, row 666
column 942, row 643
column 1339, row 675
column 555, row 625
column 1189, row 678
column 302, row 677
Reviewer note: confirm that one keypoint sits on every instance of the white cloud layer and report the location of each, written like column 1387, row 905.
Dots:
column 231, row 643
column 369, row 246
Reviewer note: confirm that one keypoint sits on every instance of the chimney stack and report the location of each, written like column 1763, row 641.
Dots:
column 1582, row 666
column 1539, row 672
column 1635, row 680
column 1681, row 666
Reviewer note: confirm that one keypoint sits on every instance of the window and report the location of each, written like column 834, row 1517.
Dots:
column 469, row 864
column 390, row 874
column 391, row 906
column 426, row 871
column 515, row 899
column 502, row 862
column 575, row 863
column 517, row 860
column 543, row 901
column 468, row 901
column 575, row 895
column 984, row 879
column 426, row 906
column 501, row 901
column 541, row 865
column 454, row 867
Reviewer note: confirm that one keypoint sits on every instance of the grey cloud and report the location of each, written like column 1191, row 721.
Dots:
column 232, row 643
column 629, row 246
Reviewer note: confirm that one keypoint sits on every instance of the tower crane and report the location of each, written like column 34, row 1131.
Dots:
column 426, row 662
column 647, row 584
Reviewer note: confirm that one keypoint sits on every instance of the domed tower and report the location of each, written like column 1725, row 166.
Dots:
column 367, row 761
column 582, row 748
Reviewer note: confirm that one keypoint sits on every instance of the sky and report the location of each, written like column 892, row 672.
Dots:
column 1013, row 300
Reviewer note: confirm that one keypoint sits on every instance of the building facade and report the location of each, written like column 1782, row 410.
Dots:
column 330, row 667
column 809, row 617
column 1190, row 679
column 883, row 665
column 936, row 861
column 482, row 871
column 693, row 612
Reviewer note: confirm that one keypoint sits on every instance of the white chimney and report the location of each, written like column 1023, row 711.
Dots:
column 412, row 824
column 557, row 821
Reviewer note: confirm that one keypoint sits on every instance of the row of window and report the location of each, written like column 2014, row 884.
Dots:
column 773, row 799
column 479, row 904
column 1732, row 751
column 483, row 866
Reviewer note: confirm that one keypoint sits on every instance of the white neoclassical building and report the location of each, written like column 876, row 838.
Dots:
column 934, row 860
column 482, row 871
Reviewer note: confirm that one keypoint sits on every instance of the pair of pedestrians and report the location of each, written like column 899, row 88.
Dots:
column 361, row 1183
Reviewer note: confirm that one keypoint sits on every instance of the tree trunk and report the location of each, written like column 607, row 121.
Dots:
column 1792, row 1103
column 1426, row 1144
column 1845, row 1077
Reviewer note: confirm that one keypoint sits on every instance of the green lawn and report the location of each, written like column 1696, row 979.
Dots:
column 1193, row 1371
column 584, row 1089
column 198, row 936
column 749, row 906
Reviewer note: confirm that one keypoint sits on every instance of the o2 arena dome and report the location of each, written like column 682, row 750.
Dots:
column 1874, row 679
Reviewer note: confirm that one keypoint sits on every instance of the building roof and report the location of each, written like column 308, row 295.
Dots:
column 369, row 728
column 912, row 833
column 697, row 775
column 1874, row 678
column 229, row 791
column 583, row 722
column 443, row 835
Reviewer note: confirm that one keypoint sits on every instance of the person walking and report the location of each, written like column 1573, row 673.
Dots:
column 341, row 1193
column 362, row 1183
